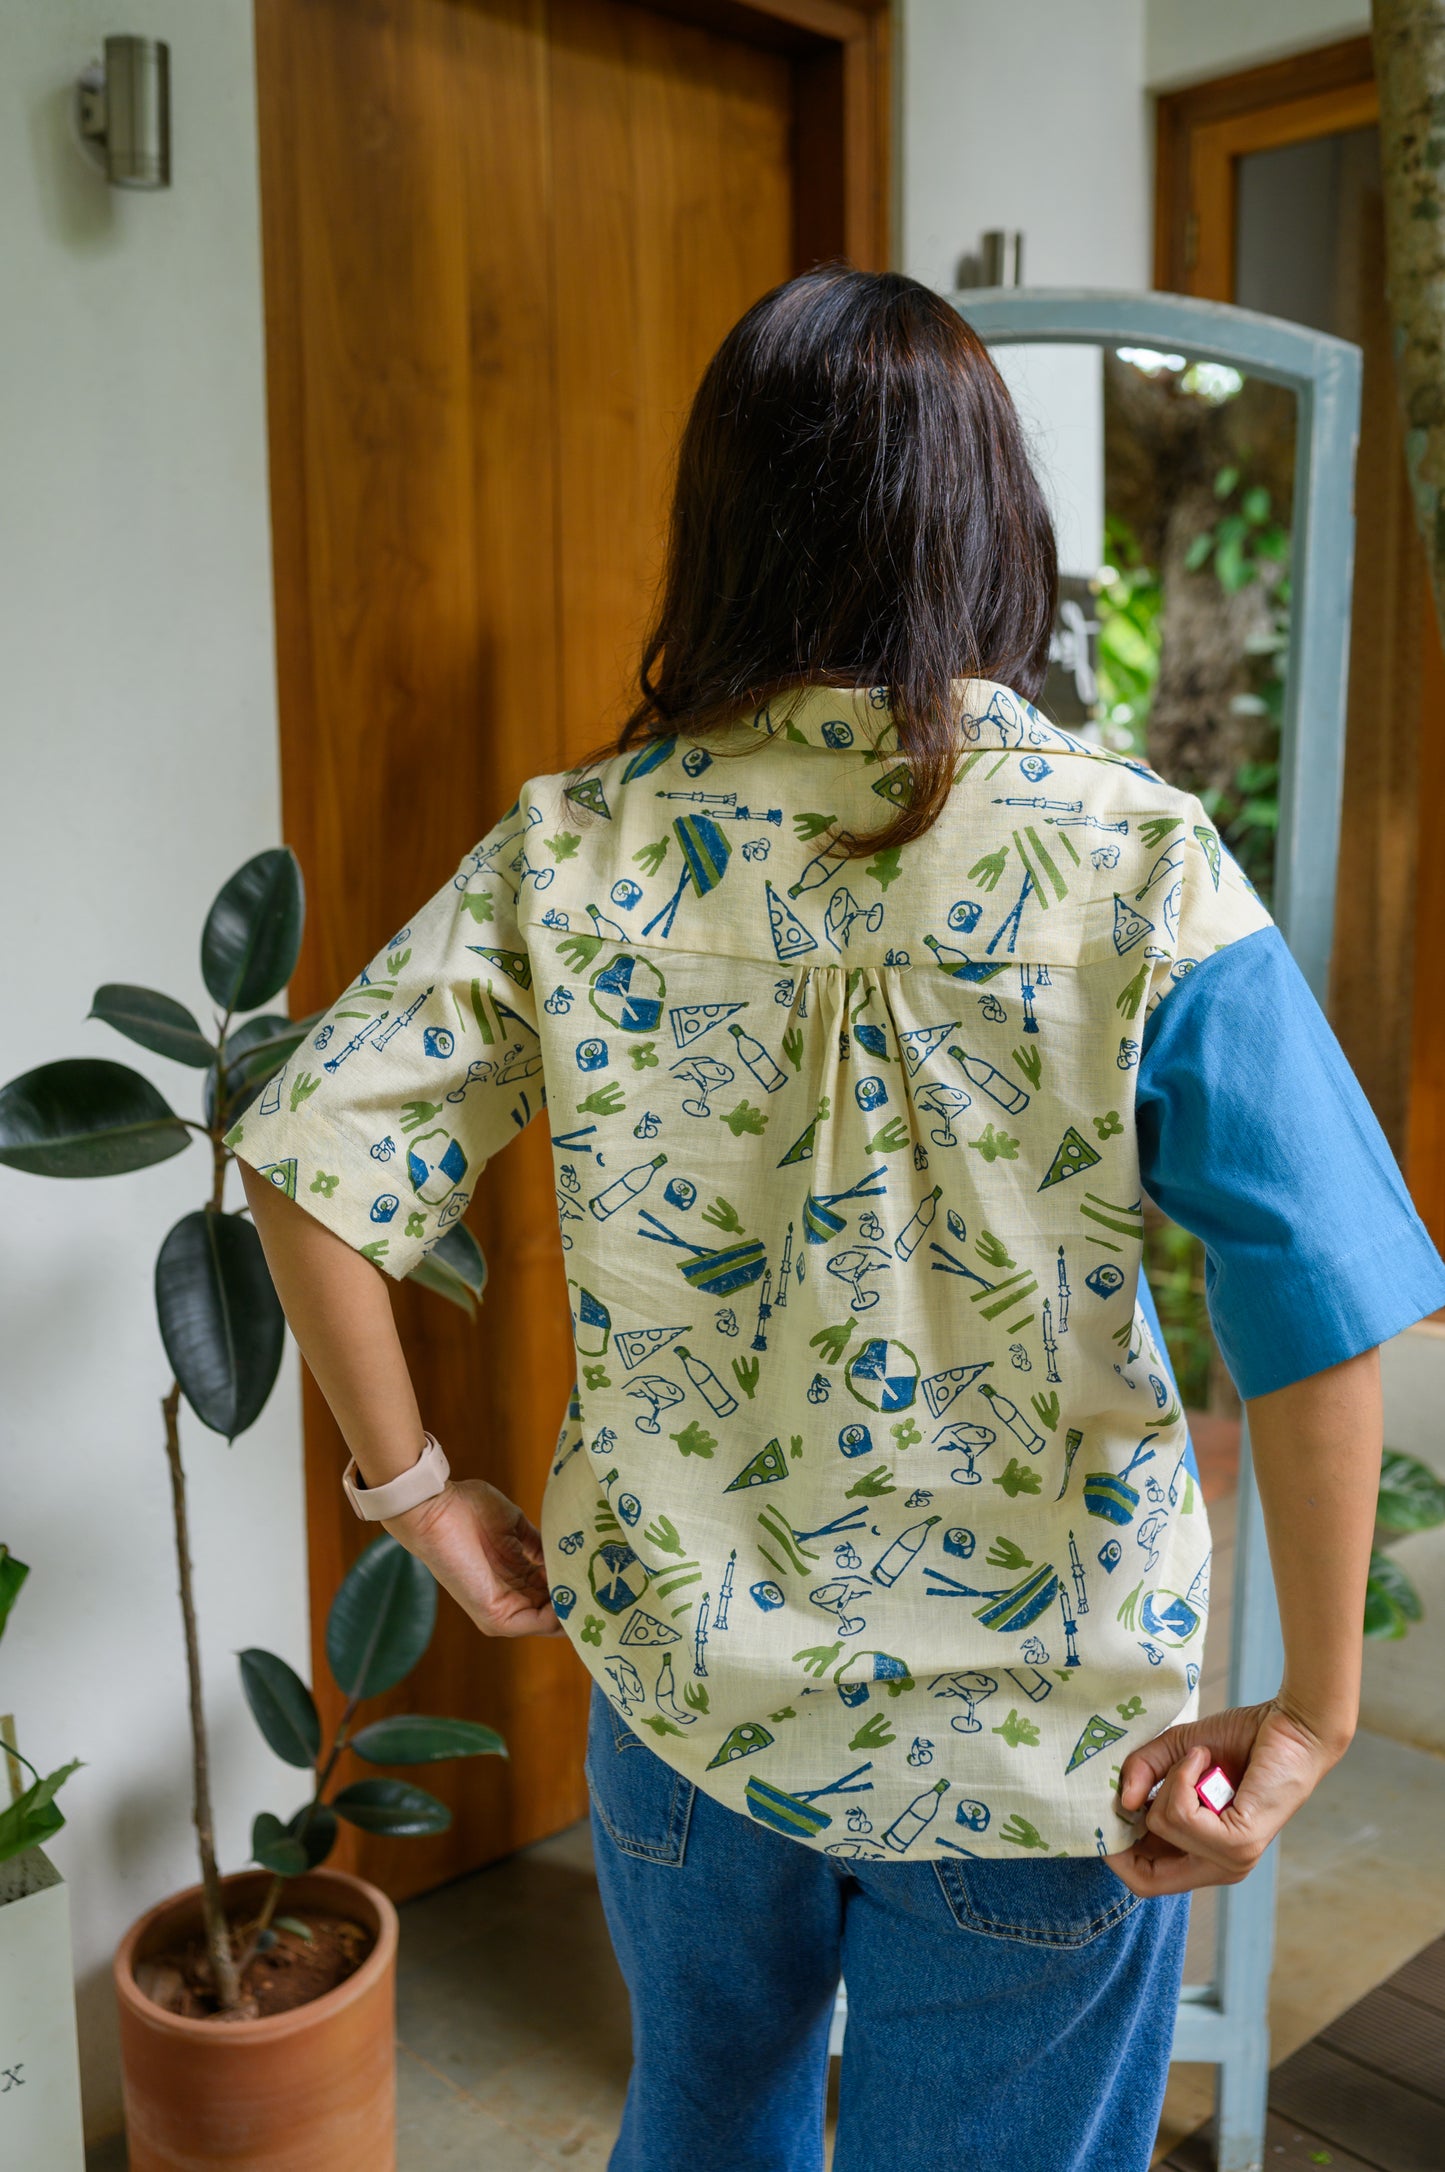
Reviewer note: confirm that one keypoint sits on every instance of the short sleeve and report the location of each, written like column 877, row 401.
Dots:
column 1195, row 900
column 1255, row 1136
column 383, row 1119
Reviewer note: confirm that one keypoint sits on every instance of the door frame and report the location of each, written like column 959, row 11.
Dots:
column 1201, row 134
column 841, row 51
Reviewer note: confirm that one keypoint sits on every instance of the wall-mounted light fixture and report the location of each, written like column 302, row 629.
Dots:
column 124, row 112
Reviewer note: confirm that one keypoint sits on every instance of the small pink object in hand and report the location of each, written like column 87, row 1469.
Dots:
column 1215, row 1790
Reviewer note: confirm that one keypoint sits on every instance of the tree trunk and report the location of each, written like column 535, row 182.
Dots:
column 1409, row 43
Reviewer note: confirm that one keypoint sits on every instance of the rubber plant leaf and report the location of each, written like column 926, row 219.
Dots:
column 86, row 1117
column 381, row 1619
column 274, row 1848
column 410, row 1738
column 391, row 1806
column 221, row 1321
column 154, row 1021
column 454, row 1268
column 282, row 1707
column 253, row 931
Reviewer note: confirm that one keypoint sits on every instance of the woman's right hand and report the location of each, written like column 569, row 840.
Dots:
column 482, row 1549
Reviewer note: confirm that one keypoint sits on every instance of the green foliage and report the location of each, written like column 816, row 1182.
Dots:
column 1391, row 1600
column 1412, row 1498
column 86, row 1118
column 12, row 1575
column 1129, row 642
column 32, row 1817
column 379, row 1627
column 1174, row 1263
column 381, row 1620
column 219, row 1317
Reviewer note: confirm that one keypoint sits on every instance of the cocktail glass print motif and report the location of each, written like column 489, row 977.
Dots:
column 854, row 1263
column 705, row 855
column 708, row 1075
column 967, row 1442
column 658, row 1393
column 967, row 1688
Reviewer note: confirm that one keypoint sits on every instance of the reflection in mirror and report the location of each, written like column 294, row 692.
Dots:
column 1171, row 481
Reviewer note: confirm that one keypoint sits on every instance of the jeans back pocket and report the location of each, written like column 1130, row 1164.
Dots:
column 1065, row 1901
column 642, row 1804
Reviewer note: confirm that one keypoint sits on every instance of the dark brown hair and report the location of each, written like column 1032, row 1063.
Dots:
column 854, row 505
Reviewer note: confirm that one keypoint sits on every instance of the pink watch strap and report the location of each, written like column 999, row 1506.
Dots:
column 427, row 1477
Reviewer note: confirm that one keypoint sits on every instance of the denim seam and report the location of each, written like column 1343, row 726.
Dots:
column 673, row 1847
column 964, row 1913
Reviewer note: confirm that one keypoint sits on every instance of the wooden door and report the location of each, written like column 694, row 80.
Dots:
column 1388, row 973
column 501, row 239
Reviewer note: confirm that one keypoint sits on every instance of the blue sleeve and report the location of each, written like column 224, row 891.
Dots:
column 1255, row 1136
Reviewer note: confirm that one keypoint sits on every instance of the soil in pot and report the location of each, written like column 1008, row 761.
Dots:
column 288, row 1974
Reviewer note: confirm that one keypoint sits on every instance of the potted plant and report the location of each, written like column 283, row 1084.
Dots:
column 223, row 1331
column 39, row 2067
column 305, row 2078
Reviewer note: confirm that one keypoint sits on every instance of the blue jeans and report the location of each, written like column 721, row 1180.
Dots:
column 1002, row 2016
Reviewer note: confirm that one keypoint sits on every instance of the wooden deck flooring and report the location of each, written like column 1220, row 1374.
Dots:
column 1365, row 2095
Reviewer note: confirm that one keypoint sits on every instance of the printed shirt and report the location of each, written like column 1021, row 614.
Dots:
column 872, row 1510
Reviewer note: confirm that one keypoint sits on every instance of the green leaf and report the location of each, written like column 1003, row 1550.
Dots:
column 1225, row 481
column 156, row 1022
column 86, row 1117
column 1198, row 551
column 381, row 1619
column 221, row 1321
column 1391, row 1600
column 1232, row 569
column 12, row 1575
column 282, row 1707
column 319, row 1837
column 391, row 1806
column 1412, row 1498
column 274, row 1848
column 253, row 932
column 410, row 1738
column 454, row 1268
column 296, row 1927
column 32, row 1817
column 1256, row 505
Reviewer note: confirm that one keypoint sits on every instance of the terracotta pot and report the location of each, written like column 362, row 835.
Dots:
column 309, row 2091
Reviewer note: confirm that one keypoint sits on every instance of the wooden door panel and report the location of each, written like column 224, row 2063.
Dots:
column 501, row 239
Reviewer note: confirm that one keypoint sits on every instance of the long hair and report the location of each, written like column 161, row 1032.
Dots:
column 853, row 505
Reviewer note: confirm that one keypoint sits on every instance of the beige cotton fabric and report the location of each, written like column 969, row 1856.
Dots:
column 870, row 1511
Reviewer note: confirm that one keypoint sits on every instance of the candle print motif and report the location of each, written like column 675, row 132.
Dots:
column 870, row 1509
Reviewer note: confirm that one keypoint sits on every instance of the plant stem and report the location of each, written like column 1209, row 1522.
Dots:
column 277, row 1886
column 218, row 1942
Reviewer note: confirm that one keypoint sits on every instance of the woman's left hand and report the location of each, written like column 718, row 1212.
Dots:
column 483, row 1550
column 1273, row 1757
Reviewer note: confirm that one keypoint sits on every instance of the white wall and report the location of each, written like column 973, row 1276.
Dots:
column 1186, row 42
column 1032, row 118
column 139, row 761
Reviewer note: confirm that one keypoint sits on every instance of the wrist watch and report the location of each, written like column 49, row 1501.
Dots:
column 428, row 1476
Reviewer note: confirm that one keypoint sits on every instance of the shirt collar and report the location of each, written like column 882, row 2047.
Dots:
column 849, row 717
